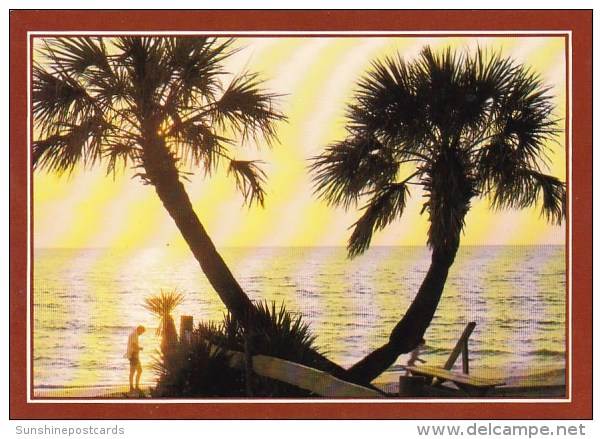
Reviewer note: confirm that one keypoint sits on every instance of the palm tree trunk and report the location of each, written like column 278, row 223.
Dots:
column 161, row 171
column 409, row 332
column 451, row 189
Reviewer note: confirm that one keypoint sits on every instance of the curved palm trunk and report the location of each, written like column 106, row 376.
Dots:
column 161, row 171
column 409, row 332
column 451, row 190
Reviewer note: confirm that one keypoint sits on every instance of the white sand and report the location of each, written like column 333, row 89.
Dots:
column 85, row 392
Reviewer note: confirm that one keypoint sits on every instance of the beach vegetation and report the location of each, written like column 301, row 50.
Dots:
column 203, row 365
column 162, row 306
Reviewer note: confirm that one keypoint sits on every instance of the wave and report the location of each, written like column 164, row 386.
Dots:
column 492, row 352
column 547, row 353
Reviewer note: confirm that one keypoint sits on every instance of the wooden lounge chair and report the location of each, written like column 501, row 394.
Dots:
column 469, row 384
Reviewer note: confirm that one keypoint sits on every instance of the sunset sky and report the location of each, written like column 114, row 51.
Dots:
column 316, row 76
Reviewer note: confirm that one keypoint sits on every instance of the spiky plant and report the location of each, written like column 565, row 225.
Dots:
column 280, row 334
column 161, row 306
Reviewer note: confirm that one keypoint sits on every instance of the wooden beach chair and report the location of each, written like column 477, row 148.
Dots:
column 469, row 384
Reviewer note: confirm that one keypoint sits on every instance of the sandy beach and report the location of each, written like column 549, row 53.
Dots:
column 545, row 385
column 549, row 384
column 87, row 392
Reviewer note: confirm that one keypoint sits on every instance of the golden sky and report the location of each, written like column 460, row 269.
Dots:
column 316, row 77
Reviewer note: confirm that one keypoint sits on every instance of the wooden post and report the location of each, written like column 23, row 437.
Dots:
column 460, row 346
column 465, row 357
column 411, row 386
column 186, row 328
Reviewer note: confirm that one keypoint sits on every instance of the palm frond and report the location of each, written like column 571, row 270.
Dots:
column 73, row 143
column 250, row 179
column 481, row 79
column 553, row 204
column 351, row 168
column 526, row 119
column 387, row 204
column 387, row 105
column 197, row 65
column 493, row 74
column 438, row 85
column 68, row 117
column 282, row 331
column 498, row 162
column 529, row 187
column 248, row 109
column 197, row 143
column 117, row 155
column 86, row 62
column 145, row 61
column 74, row 56
column 114, row 90
column 58, row 99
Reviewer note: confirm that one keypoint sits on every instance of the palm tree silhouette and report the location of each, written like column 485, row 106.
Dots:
column 456, row 125
column 162, row 105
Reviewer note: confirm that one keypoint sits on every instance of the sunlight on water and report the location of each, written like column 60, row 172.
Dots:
column 86, row 301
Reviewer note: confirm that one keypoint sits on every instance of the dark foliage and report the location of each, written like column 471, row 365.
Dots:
column 454, row 124
column 100, row 100
column 202, row 368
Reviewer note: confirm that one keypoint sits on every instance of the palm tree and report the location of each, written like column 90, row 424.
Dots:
column 456, row 125
column 163, row 106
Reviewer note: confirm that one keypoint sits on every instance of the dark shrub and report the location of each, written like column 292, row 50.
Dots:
column 202, row 367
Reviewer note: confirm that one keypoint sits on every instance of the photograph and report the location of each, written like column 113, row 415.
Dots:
column 229, row 215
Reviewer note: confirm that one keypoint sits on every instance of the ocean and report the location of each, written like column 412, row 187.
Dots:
column 85, row 302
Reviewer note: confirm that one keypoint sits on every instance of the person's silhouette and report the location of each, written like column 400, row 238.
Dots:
column 133, row 354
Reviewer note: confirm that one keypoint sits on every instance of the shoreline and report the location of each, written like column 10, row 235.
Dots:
column 540, row 386
column 548, row 384
column 120, row 393
column 85, row 392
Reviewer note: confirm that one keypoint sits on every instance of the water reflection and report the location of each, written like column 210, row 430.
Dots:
column 85, row 302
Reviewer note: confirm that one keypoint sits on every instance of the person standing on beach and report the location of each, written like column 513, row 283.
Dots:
column 133, row 354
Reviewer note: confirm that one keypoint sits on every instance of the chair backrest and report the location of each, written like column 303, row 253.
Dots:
column 461, row 347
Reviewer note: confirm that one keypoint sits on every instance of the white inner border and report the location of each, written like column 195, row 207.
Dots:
column 568, row 245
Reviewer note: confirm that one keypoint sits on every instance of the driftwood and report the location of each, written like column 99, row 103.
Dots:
column 305, row 377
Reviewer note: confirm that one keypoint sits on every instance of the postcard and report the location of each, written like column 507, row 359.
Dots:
column 301, row 214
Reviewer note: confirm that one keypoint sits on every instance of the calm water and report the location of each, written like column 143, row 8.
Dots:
column 86, row 301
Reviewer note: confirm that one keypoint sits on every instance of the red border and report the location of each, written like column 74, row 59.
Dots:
column 578, row 22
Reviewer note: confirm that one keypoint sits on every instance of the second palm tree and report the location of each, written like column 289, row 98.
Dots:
column 459, row 126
